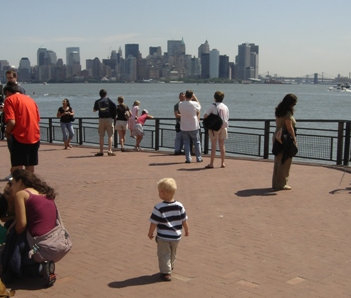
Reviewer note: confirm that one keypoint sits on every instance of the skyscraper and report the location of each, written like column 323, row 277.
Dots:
column 247, row 61
column 73, row 61
column 203, row 49
column 224, row 67
column 24, row 70
column 72, row 56
column 132, row 49
column 175, row 48
column 204, row 55
column 214, row 64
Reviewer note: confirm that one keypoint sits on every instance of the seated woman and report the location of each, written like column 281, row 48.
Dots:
column 35, row 212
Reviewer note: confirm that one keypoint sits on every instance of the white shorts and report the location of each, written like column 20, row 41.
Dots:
column 121, row 125
column 138, row 130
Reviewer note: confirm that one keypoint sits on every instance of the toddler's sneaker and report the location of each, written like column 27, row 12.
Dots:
column 166, row 277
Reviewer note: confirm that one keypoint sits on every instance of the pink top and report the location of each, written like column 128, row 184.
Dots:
column 41, row 214
column 142, row 119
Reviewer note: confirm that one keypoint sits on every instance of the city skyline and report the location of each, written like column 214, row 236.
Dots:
column 295, row 38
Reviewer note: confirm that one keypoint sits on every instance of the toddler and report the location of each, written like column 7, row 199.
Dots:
column 169, row 217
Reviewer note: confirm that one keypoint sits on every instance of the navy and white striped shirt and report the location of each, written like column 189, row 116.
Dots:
column 169, row 217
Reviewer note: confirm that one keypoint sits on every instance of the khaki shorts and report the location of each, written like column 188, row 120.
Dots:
column 221, row 134
column 106, row 124
column 121, row 125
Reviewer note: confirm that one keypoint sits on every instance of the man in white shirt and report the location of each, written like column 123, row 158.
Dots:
column 189, row 125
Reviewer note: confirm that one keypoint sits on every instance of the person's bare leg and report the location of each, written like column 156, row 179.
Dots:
column 101, row 144
column 222, row 149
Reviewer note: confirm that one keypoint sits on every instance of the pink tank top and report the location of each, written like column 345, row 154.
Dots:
column 41, row 214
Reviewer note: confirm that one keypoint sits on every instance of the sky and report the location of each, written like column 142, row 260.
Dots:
column 295, row 38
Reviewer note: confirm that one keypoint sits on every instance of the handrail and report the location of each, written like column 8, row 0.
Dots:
column 327, row 141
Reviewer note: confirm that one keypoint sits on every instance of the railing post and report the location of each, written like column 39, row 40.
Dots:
column 347, row 143
column 157, row 134
column 50, row 130
column 340, row 143
column 206, row 141
column 80, row 131
column 115, row 139
column 266, row 139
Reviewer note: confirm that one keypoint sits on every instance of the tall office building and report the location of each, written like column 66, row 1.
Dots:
column 46, row 57
column 132, row 49
column 204, row 56
column 155, row 51
column 24, row 70
column 72, row 56
column 224, row 67
column 247, row 61
column 203, row 49
column 176, row 58
column 214, row 64
column 175, row 48
column 205, row 66
column 73, row 61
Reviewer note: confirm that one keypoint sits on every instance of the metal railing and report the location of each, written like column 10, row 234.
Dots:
column 325, row 141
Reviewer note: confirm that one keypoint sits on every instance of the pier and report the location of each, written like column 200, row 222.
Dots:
column 245, row 240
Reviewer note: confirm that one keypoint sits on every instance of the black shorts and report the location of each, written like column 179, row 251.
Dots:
column 23, row 154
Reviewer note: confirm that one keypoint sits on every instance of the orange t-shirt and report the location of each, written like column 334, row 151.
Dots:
column 25, row 112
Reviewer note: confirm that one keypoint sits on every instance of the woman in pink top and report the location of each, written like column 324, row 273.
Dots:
column 35, row 212
column 138, row 131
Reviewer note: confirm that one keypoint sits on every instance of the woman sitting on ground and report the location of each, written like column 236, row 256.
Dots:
column 35, row 212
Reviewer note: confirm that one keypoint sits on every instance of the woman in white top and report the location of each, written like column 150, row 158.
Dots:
column 221, row 135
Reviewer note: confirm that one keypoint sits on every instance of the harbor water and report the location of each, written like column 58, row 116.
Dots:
column 251, row 101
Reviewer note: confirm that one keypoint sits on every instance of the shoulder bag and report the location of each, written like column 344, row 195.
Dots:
column 52, row 246
column 213, row 121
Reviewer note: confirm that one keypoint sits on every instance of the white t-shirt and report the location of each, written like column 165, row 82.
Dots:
column 188, row 120
column 223, row 112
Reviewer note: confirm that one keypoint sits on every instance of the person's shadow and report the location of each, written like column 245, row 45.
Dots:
column 136, row 281
column 256, row 192
column 335, row 191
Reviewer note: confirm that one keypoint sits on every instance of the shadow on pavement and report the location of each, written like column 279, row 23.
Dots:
column 164, row 163
column 256, row 192
column 136, row 281
column 335, row 191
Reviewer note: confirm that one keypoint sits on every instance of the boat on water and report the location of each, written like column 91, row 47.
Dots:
column 341, row 87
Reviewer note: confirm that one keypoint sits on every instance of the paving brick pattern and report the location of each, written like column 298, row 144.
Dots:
column 245, row 240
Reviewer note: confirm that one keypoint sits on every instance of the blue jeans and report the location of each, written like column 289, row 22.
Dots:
column 178, row 142
column 67, row 130
column 194, row 136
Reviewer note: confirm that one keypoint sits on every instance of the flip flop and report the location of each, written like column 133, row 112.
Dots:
column 209, row 167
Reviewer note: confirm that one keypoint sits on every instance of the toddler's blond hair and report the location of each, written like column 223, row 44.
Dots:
column 167, row 184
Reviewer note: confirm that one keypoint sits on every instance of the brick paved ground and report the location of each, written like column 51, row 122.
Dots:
column 245, row 240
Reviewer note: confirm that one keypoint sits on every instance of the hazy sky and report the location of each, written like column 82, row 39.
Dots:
column 295, row 38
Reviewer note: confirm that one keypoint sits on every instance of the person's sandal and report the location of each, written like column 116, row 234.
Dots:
column 4, row 292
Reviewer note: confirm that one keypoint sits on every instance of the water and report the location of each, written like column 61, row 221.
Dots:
column 244, row 101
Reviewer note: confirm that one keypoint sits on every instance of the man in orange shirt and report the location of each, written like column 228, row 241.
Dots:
column 22, row 128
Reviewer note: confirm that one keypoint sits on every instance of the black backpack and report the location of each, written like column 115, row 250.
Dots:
column 213, row 121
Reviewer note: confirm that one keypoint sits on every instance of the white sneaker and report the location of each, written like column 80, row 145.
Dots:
column 7, row 178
